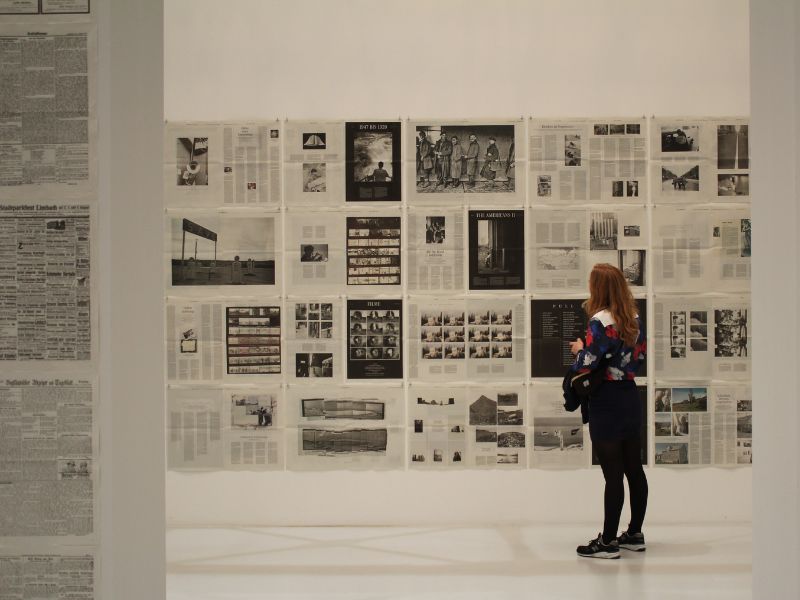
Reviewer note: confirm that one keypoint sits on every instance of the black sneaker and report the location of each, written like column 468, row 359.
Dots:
column 597, row 549
column 632, row 541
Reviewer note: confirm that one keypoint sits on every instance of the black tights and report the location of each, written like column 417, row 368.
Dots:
column 618, row 458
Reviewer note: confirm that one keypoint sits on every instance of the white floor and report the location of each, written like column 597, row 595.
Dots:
column 449, row 563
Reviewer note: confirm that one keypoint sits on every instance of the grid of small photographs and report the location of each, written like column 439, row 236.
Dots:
column 673, row 423
column 313, row 321
column 254, row 340
column 374, row 335
column 489, row 334
column 442, row 335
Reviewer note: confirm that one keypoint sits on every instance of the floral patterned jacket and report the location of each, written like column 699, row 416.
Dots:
column 602, row 339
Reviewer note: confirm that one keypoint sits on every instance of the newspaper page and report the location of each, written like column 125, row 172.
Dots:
column 558, row 438
column 195, row 345
column 700, row 160
column 345, row 428
column 374, row 250
column 375, row 339
column 44, row 7
column 218, row 252
column 497, row 426
column 48, row 133
column 682, row 249
column 212, row 428
column 315, row 252
column 314, row 339
column 45, row 285
column 732, row 244
column 566, row 244
column 314, row 166
column 496, row 250
column 702, row 338
column 437, row 425
column 435, row 250
column 733, row 424
column 253, row 339
column 555, row 323
column 49, row 457
column 472, row 339
column 212, row 164
column 462, row 161
column 71, row 574
column 643, row 427
column 373, row 155
column 587, row 161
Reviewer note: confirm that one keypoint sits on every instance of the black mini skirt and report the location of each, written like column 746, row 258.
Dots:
column 614, row 411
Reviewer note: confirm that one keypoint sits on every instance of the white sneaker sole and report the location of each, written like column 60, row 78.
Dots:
column 607, row 555
column 634, row 548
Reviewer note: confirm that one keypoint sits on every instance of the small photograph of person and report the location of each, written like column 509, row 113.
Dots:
column 314, row 253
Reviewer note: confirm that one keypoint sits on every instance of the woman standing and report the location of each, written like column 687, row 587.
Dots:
column 616, row 333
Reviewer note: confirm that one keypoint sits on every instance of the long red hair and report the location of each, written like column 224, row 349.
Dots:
column 609, row 290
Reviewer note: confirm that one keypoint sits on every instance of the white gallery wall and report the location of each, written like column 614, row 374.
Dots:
column 312, row 59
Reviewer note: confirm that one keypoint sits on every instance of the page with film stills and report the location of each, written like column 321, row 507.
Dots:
column 374, row 250
column 437, row 425
column 373, row 155
column 314, row 167
column 701, row 424
column 555, row 323
column 466, row 339
column 435, row 256
column 222, row 252
column 214, row 428
column 497, row 426
column 375, row 339
column 587, row 161
column 215, row 164
column 315, row 252
column 195, row 344
column 337, row 427
column 696, row 160
column 496, row 249
column 557, row 438
column 466, row 161
column 314, row 339
column 699, row 337
column 566, row 244
column 253, row 339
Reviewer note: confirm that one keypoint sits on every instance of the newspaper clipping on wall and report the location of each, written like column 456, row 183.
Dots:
column 471, row 339
column 47, row 483
column 437, row 425
column 557, row 438
column 375, row 339
column 52, row 573
column 496, row 250
column 701, row 424
column 195, row 346
column 45, row 285
column 702, row 338
column 314, row 167
column 373, row 157
column 374, row 250
column 315, row 252
column 224, row 428
column 214, row 164
column 314, row 338
column 588, row 161
column 44, row 7
column 497, row 426
column 566, row 244
column 47, row 142
column 700, row 160
column 458, row 161
column 435, row 250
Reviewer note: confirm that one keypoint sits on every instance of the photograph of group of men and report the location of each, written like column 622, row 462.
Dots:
column 461, row 158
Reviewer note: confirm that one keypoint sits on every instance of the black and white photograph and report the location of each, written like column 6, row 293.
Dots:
column 558, row 259
column 672, row 453
column 663, row 400
column 223, row 250
column 253, row 411
column 434, row 230
column 632, row 263
column 631, row 230
column 362, row 409
column 314, row 179
column 315, row 364
column 483, row 411
column 74, row 468
column 314, row 320
column 496, row 250
column 188, row 341
column 373, row 251
column 680, row 178
column 744, row 425
column 510, row 439
column 689, row 399
column 603, row 231
column 572, row 150
column 733, row 184
column 680, row 138
column 327, row 442
column 680, row 424
column 746, row 239
column 744, row 451
column 616, row 129
column 375, row 342
column 192, row 161
column 617, row 188
column 465, row 158
column 314, row 140
column 632, row 128
column 731, row 338
column 663, row 425
column 632, row 188
column 253, row 340
column 733, row 148
column 601, row 129
column 373, row 158
column 544, row 186
column 562, row 434
column 313, row 252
